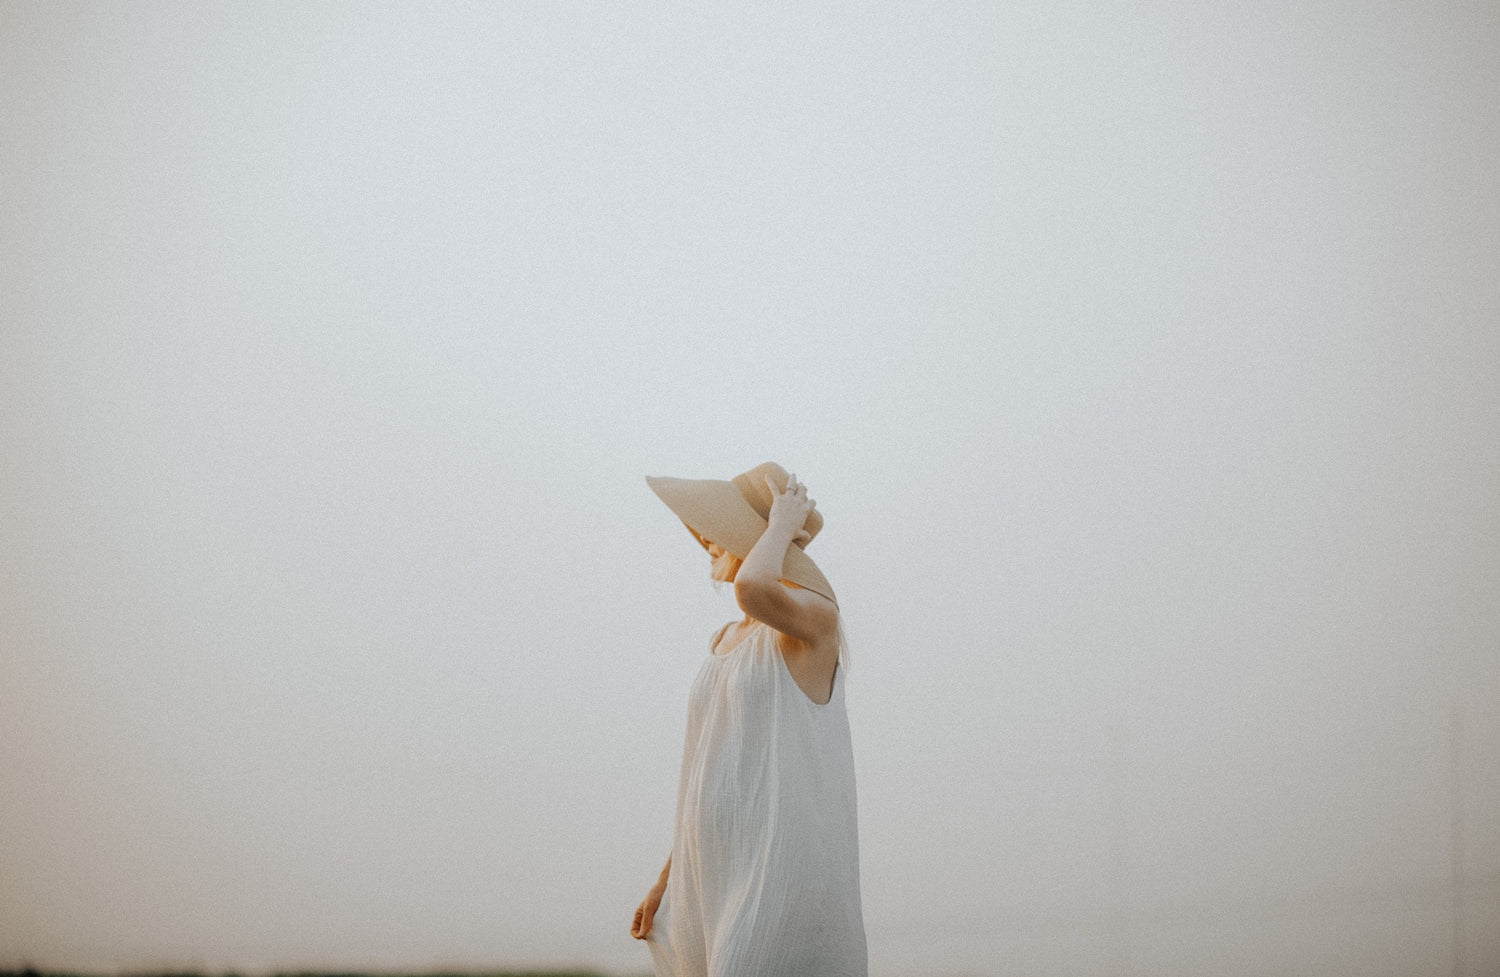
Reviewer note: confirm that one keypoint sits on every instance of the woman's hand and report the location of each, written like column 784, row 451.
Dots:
column 791, row 505
column 640, row 927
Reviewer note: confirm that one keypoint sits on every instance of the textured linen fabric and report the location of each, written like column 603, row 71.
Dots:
column 765, row 858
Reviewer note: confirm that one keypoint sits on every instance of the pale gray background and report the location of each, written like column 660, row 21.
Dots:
column 1144, row 358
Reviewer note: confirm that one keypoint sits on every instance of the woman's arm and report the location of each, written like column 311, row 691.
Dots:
column 803, row 614
column 645, row 913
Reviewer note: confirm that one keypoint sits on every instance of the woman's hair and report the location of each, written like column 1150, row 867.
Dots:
column 724, row 568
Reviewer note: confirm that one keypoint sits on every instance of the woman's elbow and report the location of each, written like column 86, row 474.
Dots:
column 755, row 595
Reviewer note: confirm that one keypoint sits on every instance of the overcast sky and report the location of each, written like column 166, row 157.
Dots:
column 1144, row 359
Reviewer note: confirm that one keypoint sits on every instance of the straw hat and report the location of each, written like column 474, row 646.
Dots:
column 735, row 513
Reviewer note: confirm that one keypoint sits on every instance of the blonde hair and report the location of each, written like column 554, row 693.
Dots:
column 724, row 568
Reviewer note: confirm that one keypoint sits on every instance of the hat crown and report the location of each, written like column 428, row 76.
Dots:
column 752, row 485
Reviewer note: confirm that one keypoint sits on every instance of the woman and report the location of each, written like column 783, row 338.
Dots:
column 763, row 879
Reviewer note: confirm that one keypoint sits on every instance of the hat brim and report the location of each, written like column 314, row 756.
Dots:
column 715, row 511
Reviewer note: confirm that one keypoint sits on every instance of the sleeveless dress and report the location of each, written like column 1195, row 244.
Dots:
column 765, row 858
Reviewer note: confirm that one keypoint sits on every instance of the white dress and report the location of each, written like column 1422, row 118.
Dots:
column 765, row 858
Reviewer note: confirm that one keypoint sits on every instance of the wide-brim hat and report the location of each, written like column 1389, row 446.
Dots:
column 734, row 513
